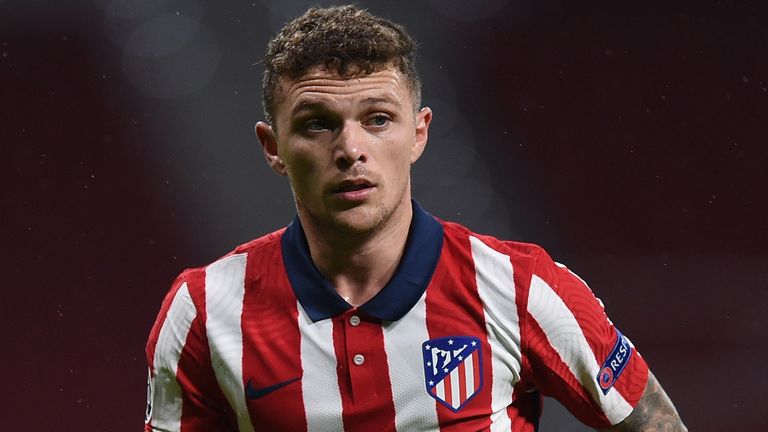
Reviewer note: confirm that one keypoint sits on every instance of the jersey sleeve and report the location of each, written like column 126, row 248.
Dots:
column 182, row 393
column 575, row 353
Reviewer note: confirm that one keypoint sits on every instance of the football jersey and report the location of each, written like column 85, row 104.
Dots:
column 468, row 335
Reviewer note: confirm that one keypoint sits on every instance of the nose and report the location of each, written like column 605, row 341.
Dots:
column 350, row 145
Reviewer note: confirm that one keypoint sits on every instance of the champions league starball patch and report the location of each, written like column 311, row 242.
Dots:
column 615, row 363
column 453, row 369
column 150, row 388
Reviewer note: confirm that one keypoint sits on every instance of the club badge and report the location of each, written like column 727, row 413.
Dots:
column 453, row 369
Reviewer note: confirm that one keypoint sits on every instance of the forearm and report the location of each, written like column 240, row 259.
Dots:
column 653, row 413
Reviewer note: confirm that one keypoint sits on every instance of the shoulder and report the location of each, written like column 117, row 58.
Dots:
column 231, row 268
column 520, row 253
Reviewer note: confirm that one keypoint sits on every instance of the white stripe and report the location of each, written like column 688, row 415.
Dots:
column 415, row 409
column 166, row 393
column 469, row 374
column 440, row 389
column 496, row 287
column 565, row 336
column 319, row 383
column 224, row 290
column 455, row 389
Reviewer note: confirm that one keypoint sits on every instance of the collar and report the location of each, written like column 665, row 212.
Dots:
column 321, row 301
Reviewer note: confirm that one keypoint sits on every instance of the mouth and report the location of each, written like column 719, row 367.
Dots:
column 355, row 190
column 352, row 186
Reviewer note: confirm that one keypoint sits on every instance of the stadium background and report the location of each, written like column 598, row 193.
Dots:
column 629, row 139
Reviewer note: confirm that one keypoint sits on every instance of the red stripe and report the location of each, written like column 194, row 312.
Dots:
column 160, row 320
column 448, row 393
column 463, row 382
column 454, row 309
column 580, row 300
column 366, row 389
column 476, row 369
column 271, row 341
column 632, row 381
column 154, row 334
column 555, row 379
column 203, row 404
column 525, row 409
column 594, row 324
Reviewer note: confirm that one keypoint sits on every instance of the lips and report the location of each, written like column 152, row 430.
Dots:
column 353, row 191
column 352, row 185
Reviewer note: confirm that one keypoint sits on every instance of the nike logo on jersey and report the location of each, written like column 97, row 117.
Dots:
column 254, row 393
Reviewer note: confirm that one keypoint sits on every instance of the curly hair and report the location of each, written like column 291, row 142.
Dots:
column 343, row 39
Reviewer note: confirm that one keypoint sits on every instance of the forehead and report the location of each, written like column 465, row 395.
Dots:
column 331, row 89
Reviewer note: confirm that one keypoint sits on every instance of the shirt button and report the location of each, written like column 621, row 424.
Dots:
column 354, row 320
column 358, row 359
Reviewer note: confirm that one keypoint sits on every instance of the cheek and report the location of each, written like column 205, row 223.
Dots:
column 399, row 159
column 302, row 171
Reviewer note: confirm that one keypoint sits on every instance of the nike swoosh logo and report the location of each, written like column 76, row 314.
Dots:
column 254, row 393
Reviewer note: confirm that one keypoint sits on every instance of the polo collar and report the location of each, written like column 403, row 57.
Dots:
column 321, row 301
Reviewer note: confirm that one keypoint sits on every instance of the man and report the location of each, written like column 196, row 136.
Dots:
column 367, row 313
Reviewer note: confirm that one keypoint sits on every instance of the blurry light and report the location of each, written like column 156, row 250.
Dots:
column 170, row 56
column 131, row 8
column 161, row 36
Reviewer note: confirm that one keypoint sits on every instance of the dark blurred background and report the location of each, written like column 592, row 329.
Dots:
column 627, row 138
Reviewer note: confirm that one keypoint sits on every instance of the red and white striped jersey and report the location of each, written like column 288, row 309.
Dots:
column 468, row 335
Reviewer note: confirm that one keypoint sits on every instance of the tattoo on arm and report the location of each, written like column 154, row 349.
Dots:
column 653, row 413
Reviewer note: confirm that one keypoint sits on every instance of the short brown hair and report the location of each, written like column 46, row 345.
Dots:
column 344, row 39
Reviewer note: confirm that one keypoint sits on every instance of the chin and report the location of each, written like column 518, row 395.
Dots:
column 359, row 220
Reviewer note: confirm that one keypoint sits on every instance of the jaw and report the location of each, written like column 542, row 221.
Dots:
column 356, row 219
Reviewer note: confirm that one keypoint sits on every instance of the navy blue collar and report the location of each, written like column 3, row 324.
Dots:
column 321, row 301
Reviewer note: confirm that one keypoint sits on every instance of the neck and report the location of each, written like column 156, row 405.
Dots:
column 359, row 264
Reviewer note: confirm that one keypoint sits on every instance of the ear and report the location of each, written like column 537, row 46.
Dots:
column 268, row 140
column 423, row 119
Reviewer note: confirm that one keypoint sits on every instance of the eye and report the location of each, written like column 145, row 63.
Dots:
column 316, row 125
column 378, row 121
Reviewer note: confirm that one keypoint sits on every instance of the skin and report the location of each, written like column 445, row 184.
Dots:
column 347, row 146
column 653, row 413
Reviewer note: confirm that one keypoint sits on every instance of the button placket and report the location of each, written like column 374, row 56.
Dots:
column 365, row 353
column 357, row 359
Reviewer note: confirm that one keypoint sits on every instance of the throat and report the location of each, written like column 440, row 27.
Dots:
column 359, row 266
column 358, row 296
column 359, row 274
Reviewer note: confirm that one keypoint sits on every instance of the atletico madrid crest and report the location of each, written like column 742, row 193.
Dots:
column 453, row 369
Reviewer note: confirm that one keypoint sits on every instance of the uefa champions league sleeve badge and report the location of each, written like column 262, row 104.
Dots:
column 453, row 371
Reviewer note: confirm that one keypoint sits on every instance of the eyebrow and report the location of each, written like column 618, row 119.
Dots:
column 308, row 106
column 321, row 106
column 385, row 100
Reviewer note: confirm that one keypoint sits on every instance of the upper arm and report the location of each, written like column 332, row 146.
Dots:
column 576, row 354
column 182, row 389
column 654, row 412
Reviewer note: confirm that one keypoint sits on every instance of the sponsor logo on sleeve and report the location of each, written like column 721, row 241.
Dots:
column 150, row 386
column 453, row 369
column 615, row 363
